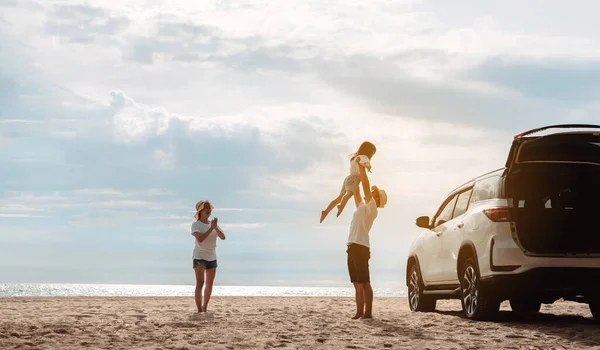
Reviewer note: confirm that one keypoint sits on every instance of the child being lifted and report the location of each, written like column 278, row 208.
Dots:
column 362, row 157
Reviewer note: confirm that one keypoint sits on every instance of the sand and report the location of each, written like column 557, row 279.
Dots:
column 279, row 322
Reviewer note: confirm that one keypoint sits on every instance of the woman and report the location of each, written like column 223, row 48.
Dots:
column 205, row 257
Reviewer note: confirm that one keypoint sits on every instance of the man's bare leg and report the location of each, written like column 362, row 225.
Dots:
column 199, row 271
column 210, row 278
column 368, row 297
column 360, row 300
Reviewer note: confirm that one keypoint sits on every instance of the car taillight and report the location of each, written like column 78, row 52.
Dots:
column 497, row 214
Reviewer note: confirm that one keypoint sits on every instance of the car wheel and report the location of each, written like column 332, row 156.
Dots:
column 595, row 309
column 525, row 306
column 416, row 300
column 477, row 304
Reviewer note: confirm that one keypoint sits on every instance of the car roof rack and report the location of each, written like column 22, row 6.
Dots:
column 557, row 126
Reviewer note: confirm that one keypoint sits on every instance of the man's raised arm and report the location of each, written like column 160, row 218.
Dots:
column 364, row 180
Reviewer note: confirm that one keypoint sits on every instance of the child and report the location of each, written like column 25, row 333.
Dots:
column 362, row 157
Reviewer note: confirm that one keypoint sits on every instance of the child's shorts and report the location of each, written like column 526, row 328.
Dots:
column 351, row 183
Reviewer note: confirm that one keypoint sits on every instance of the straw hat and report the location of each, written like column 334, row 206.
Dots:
column 382, row 196
column 200, row 206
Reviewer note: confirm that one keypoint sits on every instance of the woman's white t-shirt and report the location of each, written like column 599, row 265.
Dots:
column 207, row 250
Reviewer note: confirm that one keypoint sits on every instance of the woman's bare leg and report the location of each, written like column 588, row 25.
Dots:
column 199, row 271
column 332, row 205
column 210, row 278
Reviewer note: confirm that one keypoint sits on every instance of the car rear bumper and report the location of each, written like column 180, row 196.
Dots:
column 545, row 282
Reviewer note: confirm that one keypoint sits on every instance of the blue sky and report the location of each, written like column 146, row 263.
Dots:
column 116, row 119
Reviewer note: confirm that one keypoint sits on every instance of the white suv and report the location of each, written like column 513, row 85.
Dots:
column 524, row 233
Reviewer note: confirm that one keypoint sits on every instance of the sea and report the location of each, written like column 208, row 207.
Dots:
column 136, row 290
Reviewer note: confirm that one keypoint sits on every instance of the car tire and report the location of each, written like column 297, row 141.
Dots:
column 595, row 309
column 477, row 303
column 525, row 307
column 416, row 300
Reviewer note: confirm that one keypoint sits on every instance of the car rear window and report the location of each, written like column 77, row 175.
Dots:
column 564, row 148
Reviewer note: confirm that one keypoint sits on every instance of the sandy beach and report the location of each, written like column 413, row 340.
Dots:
column 279, row 322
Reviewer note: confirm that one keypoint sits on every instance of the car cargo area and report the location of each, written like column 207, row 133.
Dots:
column 556, row 207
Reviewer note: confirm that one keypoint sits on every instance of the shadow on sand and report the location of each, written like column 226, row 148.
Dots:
column 572, row 328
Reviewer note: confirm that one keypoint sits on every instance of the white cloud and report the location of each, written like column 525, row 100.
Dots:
column 258, row 104
column 82, row 198
column 230, row 227
column 243, row 226
column 112, row 192
column 17, row 121
column 11, row 207
column 2, row 215
column 165, row 158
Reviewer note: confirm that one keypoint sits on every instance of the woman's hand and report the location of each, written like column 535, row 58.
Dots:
column 213, row 223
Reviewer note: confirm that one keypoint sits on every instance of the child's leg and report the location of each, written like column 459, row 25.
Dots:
column 343, row 202
column 333, row 203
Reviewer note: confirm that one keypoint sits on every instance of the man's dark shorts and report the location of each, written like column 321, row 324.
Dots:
column 206, row 264
column 358, row 263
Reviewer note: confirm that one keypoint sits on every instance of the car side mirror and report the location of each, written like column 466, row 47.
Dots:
column 423, row 221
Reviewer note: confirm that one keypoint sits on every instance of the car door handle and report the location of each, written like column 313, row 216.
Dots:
column 460, row 225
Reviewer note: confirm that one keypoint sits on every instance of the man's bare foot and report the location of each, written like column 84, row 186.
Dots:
column 366, row 317
column 357, row 316
column 323, row 216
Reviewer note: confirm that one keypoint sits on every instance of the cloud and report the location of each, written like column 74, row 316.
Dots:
column 553, row 80
column 12, row 207
column 84, row 24
column 2, row 215
column 117, row 118
column 437, row 73
column 80, row 197
column 243, row 226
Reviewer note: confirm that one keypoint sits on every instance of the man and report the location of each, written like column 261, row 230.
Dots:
column 358, row 245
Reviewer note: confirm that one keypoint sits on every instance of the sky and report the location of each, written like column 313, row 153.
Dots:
column 117, row 117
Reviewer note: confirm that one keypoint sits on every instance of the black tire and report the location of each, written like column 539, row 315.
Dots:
column 416, row 300
column 477, row 303
column 595, row 309
column 525, row 307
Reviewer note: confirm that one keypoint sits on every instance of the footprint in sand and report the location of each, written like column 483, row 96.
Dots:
column 515, row 336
